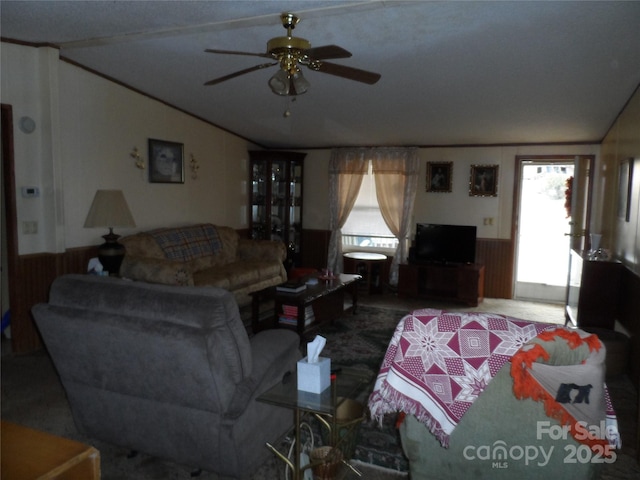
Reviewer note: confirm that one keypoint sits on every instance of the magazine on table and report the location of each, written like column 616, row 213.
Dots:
column 294, row 286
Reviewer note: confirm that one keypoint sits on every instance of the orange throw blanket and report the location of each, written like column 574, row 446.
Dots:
column 565, row 370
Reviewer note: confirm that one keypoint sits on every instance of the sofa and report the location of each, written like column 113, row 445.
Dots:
column 167, row 371
column 204, row 255
column 476, row 409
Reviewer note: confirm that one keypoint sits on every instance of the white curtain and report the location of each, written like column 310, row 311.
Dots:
column 395, row 171
column 347, row 167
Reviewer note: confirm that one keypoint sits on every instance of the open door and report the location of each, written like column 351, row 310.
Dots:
column 582, row 189
column 9, row 239
column 548, row 223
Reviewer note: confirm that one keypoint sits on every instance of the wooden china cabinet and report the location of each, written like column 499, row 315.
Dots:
column 275, row 199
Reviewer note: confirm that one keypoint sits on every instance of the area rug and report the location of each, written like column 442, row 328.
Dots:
column 360, row 341
column 33, row 396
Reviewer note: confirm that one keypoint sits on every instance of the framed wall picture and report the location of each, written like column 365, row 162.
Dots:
column 625, row 181
column 166, row 161
column 439, row 176
column 483, row 181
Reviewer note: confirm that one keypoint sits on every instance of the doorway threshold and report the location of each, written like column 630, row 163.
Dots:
column 540, row 292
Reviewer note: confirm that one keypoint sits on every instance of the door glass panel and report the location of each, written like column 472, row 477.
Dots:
column 543, row 246
column 579, row 203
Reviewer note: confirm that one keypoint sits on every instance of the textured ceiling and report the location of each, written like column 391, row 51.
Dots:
column 453, row 73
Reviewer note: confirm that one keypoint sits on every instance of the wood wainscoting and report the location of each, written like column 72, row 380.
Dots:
column 30, row 285
column 315, row 245
column 497, row 256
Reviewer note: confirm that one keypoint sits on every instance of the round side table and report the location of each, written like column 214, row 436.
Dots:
column 370, row 265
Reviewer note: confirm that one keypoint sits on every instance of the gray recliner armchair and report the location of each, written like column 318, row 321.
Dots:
column 167, row 371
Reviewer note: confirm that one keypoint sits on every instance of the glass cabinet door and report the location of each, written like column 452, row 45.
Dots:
column 276, row 199
column 279, row 177
column 295, row 209
column 258, row 201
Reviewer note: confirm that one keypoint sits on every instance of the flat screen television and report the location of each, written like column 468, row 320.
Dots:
column 434, row 243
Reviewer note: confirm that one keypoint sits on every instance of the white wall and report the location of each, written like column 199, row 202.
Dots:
column 87, row 127
column 456, row 207
column 23, row 85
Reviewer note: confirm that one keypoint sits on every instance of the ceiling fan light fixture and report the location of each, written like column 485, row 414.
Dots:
column 300, row 84
column 285, row 83
column 279, row 83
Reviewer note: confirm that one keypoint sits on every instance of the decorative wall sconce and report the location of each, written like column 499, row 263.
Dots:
column 193, row 164
column 138, row 158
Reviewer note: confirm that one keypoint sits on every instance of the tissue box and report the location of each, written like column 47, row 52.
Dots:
column 314, row 377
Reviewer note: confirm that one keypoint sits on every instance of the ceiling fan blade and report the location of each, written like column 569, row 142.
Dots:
column 327, row 51
column 234, row 52
column 240, row 72
column 347, row 72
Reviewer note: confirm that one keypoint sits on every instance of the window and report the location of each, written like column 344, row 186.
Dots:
column 365, row 227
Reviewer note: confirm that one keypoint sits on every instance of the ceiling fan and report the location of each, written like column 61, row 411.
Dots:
column 290, row 52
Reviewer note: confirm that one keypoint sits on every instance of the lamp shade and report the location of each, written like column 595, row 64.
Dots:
column 284, row 82
column 279, row 83
column 300, row 84
column 109, row 209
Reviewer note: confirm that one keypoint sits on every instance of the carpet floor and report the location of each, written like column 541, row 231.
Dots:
column 33, row 396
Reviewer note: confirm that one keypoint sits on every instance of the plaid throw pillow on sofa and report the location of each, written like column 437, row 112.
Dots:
column 188, row 243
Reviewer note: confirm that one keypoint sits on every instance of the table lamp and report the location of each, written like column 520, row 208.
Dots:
column 110, row 209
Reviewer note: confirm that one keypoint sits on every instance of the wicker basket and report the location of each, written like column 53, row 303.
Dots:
column 331, row 459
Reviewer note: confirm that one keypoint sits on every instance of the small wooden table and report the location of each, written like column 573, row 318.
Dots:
column 370, row 265
column 30, row 454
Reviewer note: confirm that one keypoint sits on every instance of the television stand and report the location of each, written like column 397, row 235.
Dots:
column 462, row 283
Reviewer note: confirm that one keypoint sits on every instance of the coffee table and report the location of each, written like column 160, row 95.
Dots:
column 348, row 383
column 325, row 299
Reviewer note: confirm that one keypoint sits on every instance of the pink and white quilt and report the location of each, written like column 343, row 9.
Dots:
column 437, row 364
